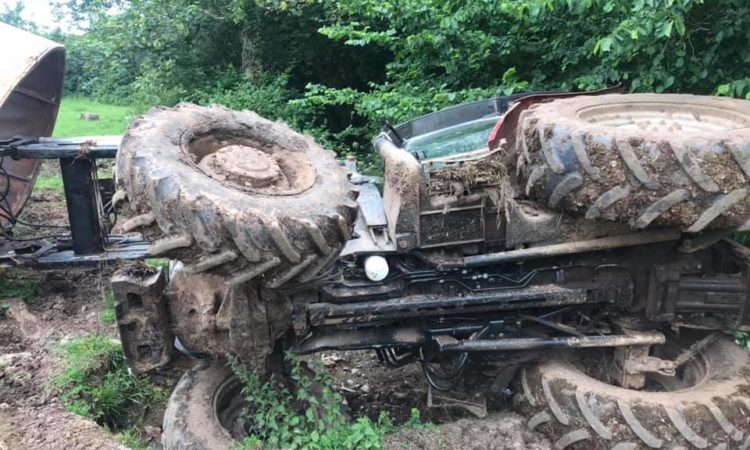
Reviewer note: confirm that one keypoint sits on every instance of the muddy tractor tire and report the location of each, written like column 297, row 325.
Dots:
column 229, row 192
column 650, row 160
column 706, row 406
column 204, row 406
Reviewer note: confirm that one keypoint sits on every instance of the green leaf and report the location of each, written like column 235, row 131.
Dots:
column 603, row 45
column 667, row 28
column 679, row 25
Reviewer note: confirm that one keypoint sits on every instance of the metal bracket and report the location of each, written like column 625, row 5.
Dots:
column 633, row 363
column 142, row 317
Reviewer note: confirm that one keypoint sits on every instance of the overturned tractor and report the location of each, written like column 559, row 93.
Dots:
column 596, row 224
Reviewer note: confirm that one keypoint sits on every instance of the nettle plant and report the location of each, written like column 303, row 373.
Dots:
column 304, row 412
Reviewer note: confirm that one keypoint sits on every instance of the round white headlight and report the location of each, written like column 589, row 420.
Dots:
column 376, row 268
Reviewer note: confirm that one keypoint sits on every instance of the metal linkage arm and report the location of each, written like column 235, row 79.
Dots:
column 24, row 147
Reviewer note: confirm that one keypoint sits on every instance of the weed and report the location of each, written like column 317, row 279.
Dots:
column 297, row 418
column 108, row 315
column 96, row 383
column 742, row 338
column 134, row 438
column 415, row 421
column 4, row 308
column 19, row 284
column 158, row 262
column 743, row 237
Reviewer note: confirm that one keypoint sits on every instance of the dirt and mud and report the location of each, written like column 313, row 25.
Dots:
column 57, row 306
column 370, row 387
column 68, row 305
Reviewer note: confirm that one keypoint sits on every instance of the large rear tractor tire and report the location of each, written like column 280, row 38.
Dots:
column 231, row 193
column 649, row 160
column 705, row 406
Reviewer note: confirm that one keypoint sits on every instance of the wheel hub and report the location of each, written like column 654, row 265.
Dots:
column 242, row 165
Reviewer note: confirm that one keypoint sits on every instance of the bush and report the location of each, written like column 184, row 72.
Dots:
column 268, row 96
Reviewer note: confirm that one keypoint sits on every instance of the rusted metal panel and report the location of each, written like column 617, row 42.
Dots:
column 403, row 189
column 31, row 85
column 211, row 316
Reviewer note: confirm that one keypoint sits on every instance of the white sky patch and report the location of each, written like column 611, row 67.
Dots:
column 37, row 11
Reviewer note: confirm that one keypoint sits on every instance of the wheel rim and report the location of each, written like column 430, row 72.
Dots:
column 690, row 375
column 250, row 165
column 664, row 117
column 228, row 406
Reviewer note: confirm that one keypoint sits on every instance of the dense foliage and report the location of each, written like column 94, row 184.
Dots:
column 336, row 69
column 306, row 413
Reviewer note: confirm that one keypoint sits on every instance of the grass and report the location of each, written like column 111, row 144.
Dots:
column 45, row 182
column 96, row 384
column 19, row 284
column 135, row 438
column 108, row 315
column 300, row 419
column 112, row 119
column 158, row 262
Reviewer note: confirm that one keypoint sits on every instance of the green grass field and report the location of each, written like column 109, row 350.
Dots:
column 112, row 119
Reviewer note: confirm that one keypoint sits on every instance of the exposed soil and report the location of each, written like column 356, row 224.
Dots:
column 67, row 305
column 370, row 387
column 31, row 415
column 498, row 431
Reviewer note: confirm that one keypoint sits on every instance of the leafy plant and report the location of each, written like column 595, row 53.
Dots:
column 4, row 308
column 306, row 413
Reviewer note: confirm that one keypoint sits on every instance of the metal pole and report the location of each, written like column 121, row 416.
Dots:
column 490, row 345
column 592, row 245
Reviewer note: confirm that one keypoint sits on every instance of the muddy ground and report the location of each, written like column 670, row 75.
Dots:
column 70, row 304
